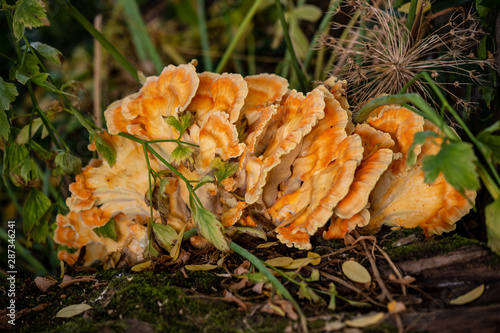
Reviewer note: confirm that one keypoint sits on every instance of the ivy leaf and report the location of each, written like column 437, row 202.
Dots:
column 108, row 230
column 29, row 14
column 419, row 139
column 492, row 142
column 36, row 216
column 181, row 153
column 492, row 214
column 47, row 51
column 67, row 164
column 224, row 169
column 8, row 93
column 208, row 226
column 456, row 162
column 165, row 235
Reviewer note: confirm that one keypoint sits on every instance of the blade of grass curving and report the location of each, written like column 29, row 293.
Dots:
column 205, row 45
column 244, row 25
column 323, row 27
column 276, row 283
column 295, row 63
column 140, row 36
column 104, row 42
column 411, row 14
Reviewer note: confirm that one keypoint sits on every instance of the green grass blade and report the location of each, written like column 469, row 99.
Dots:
column 411, row 14
column 205, row 45
column 244, row 25
column 295, row 63
column 140, row 36
column 104, row 42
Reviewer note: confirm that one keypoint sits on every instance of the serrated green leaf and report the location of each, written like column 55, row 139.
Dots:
column 172, row 121
column 419, row 139
column 8, row 93
column 223, row 169
column 23, row 136
column 252, row 232
column 36, row 216
column 208, row 226
column 47, row 51
column 29, row 14
column 456, row 162
column 14, row 157
column 4, row 125
column 108, row 230
column 165, row 235
column 492, row 142
column 22, row 77
column 181, row 153
column 67, row 164
column 492, row 217
column 186, row 119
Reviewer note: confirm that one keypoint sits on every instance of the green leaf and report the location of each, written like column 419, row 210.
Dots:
column 23, row 136
column 29, row 14
column 492, row 214
column 151, row 251
column 181, row 153
column 252, row 232
column 208, row 226
column 67, row 164
column 14, row 157
column 223, row 169
column 165, row 235
column 306, row 292
column 36, row 216
column 309, row 13
column 456, row 161
column 172, row 121
column 105, row 149
column 29, row 170
column 4, row 125
column 419, row 139
column 108, row 230
column 492, row 142
column 31, row 65
column 47, row 51
column 186, row 119
column 205, row 179
column 481, row 49
column 8, row 93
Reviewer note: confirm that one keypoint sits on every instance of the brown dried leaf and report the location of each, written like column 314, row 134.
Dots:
column 228, row 297
column 69, row 280
column 72, row 310
column 44, row 283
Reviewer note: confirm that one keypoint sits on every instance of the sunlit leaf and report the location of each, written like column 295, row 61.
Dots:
column 366, row 320
column 72, row 310
column 206, row 267
column 279, row 261
column 317, row 257
column 223, row 169
column 8, row 93
column 165, row 235
column 469, row 297
column 208, row 226
column 252, row 232
column 456, row 161
column 355, row 272
column 29, row 14
column 108, row 230
column 142, row 266
column 23, row 136
column 492, row 217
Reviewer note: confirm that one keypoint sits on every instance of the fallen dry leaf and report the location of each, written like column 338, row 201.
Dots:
column 395, row 307
column 44, row 283
column 243, row 268
column 142, row 266
column 405, row 280
column 365, row 320
column 469, row 297
column 279, row 261
column 266, row 245
column 69, row 280
column 228, row 297
column 72, row 310
column 206, row 267
column 355, row 272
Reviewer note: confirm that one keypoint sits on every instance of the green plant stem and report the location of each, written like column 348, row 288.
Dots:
column 334, row 4
column 243, row 26
column 104, row 42
column 277, row 284
column 411, row 14
column 205, row 45
column 176, row 141
column 295, row 62
column 150, row 221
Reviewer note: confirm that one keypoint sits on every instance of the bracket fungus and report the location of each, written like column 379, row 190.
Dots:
column 258, row 151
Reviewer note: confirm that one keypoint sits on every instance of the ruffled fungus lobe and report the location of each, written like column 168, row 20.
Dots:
column 407, row 201
column 264, row 90
column 300, row 114
column 339, row 227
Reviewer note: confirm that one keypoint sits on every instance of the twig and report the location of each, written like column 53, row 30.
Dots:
column 393, row 266
column 385, row 293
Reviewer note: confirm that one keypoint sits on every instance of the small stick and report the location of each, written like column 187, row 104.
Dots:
column 393, row 266
column 385, row 292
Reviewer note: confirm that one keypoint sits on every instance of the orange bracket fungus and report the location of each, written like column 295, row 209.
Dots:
column 248, row 151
